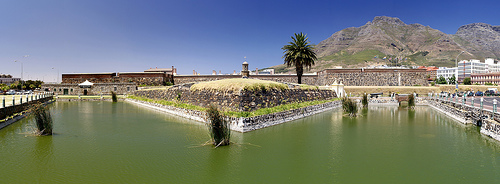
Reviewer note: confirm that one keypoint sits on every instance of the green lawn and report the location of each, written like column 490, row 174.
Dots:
column 238, row 84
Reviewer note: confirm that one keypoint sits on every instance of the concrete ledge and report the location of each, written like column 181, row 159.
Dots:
column 13, row 120
column 459, row 119
column 19, row 117
column 245, row 124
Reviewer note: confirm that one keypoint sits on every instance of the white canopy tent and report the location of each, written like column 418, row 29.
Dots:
column 86, row 84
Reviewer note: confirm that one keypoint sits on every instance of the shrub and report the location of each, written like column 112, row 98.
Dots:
column 113, row 96
column 467, row 81
column 411, row 101
column 43, row 119
column 364, row 101
column 218, row 127
column 349, row 107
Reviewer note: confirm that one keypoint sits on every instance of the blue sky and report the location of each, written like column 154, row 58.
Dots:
column 119, row 36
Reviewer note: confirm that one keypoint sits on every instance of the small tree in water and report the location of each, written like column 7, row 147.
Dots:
column 218, row 128
column 364, row 101
column 113, row 96
column 349, row 107
column 43, row 120
column 411, row 101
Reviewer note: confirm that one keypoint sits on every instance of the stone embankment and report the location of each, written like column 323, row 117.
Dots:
column 16, row 112
column 237, row 100
column 467, row 114
column 245, row 124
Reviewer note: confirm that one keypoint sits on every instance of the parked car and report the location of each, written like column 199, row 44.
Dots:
column 11, row 92
column 28, row 92
column 490, row 93
column 479, row 93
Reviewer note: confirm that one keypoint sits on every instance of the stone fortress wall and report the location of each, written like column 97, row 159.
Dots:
column 349, row 77
column 374, row 77
column 237, row 100
column 139, row 78
column 96, row 89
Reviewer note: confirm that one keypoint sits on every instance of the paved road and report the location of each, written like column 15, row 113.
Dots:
column 487, row 102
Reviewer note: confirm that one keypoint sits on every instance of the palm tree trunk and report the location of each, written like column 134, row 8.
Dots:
column 299, row 69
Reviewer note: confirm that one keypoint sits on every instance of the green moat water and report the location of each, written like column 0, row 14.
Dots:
column 102, row 142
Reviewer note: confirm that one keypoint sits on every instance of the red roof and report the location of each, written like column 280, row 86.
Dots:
column 430, row 68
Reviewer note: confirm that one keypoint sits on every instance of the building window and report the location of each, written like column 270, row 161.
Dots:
column 115, row 88
column 72, row 90
column 128, row 88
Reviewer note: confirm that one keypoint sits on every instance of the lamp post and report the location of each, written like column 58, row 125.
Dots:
column 57, row 77
column 25, row 56
column 482, row 103
column 494, row 108
column 456, row 60
column 21, row 72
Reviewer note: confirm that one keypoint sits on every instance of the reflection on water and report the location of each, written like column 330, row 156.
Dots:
column 104, row 142
column 42, row 157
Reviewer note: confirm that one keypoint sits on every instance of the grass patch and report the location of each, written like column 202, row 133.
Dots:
column 147, row 88
column 308, row 87
column 239, row 84
column 356, row 58
column 169, row 103
column 275, row 109
column 86, row 97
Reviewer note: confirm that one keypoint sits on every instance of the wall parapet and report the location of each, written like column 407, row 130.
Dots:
column 237, row 100
column 245, row 124
column 14, row 109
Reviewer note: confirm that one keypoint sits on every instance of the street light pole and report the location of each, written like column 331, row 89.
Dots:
column 21, row 72
column 22, row 83
column 456, row 60
column 57, row 77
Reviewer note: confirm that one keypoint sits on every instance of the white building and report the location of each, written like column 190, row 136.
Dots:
column 446, row 72
column 491, row 66
column 8, row 80
column 466, row 68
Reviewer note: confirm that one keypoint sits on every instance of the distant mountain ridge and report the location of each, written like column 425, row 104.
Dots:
column 389, row 41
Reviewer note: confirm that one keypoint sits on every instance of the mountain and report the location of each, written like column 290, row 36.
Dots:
column 480, row 39
column 400, row 43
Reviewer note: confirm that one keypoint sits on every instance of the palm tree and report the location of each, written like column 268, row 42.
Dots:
column 299, row 54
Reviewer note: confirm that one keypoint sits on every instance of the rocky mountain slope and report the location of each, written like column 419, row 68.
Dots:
column 389, row 41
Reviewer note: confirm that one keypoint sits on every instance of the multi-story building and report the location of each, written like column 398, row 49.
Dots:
column 466, row 68
column 484, row 78
column 8, row 79
column 446, row 72
column 491, row 66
